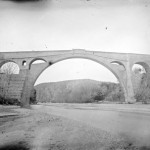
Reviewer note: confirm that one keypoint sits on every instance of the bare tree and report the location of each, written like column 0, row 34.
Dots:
column 9, row 68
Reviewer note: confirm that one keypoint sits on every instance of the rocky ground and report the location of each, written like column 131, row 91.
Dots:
column 31, row 129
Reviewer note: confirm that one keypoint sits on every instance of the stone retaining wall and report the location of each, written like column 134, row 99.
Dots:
column 11, row 86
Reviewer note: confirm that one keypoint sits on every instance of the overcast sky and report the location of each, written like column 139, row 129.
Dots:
column 100, row 25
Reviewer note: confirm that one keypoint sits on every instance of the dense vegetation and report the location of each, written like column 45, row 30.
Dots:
column 79, row 91
column 83, row 91
column 8, row 101
column 143, row 92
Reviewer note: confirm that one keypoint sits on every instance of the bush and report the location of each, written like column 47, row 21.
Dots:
column 143, row 92
column 111, row 92
column 1, row 100
column 115, row 97
column 99, row 96
column 8, row 101
column 33, row 97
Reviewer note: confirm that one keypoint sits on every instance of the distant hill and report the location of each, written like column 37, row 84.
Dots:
column 73, row 91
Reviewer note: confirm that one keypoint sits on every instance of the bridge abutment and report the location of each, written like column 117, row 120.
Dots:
column 129, row 85
column 27, row 87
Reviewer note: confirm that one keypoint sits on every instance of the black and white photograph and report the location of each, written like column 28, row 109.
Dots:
column 74, row 74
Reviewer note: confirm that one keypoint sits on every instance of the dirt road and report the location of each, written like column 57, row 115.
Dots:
column 76, row 127
column 132, row 121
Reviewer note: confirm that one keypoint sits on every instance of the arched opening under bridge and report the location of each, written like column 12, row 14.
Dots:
column 78, row 80
column 10, row 83
column 9, row 67
column 141, row 78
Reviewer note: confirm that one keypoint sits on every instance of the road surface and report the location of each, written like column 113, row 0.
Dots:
column 77, row 127
column 132, row 121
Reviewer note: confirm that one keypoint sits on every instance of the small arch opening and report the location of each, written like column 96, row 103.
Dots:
column 119, row 64
column 37, row 61
column 24, row 63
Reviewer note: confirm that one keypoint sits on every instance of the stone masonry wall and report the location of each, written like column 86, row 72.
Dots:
column 11, row 86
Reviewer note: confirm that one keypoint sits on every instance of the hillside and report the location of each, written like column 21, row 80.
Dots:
column 75, row 91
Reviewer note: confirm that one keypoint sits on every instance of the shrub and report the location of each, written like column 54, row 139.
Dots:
column 115, row 96
column 33, row 97
column 142, row 93
column 99, row 96
column 9, row 101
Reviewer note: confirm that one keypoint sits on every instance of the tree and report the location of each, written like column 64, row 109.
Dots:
column 33, row 97
column 9, row 68
column 6, row 71
column 143, row 92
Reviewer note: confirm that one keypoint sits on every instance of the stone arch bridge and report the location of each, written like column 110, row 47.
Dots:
column 120, row 64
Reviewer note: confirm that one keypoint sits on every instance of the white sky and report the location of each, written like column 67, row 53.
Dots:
column 101, row 25
column 76, row 69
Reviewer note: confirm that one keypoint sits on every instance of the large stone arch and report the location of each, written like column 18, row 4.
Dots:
column 137, row 77
column 37, row 70
column 11, row 80
column 101, row 63
column 145, row 65
column 11, row 66
column 6, row 61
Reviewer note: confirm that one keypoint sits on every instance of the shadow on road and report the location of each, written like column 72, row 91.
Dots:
column 16, row 146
